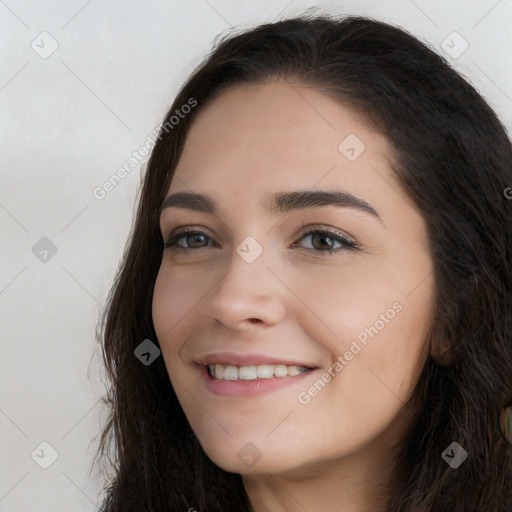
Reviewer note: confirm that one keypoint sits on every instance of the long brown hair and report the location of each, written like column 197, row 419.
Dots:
column 453, row 159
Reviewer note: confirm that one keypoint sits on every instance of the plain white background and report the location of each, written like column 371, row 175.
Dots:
column 69, row 120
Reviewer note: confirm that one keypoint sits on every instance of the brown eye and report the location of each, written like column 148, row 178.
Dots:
column 324, row 241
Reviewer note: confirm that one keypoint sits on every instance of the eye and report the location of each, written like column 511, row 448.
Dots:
column 321, row 238
column 191, row 237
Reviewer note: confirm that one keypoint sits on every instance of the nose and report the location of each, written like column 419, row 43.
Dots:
column 247, row 294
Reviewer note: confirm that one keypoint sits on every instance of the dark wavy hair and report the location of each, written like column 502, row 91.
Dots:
column 453, row 159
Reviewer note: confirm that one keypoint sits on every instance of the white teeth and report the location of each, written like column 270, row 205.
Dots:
column 280, row 371
column 230, row 373
column 265, row 371
column 218, row 371
column 252, row 372
column 294, row 370
column 247, row 373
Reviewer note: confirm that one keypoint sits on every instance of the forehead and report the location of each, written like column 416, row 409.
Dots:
column 262, row 137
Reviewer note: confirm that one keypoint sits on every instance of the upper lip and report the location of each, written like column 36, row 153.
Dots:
column 248, row 359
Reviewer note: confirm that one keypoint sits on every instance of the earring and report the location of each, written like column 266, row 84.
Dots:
column 504, row 424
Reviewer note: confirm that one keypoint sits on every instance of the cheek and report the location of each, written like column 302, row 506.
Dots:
column 403, row 348
column 394, row 347
column 174, row 301
column 368, row 316
column 339, row 302
column 373, row 379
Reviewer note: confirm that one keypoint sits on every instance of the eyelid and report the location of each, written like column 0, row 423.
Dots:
column 324, row 227
column 303, row 229
column 185, row 227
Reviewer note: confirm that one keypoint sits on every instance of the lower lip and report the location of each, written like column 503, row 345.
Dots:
column 249, row 387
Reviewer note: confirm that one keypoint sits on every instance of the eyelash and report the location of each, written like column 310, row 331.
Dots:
column 348, row 245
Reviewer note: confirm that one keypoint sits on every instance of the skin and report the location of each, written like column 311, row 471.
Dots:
column 335, row 452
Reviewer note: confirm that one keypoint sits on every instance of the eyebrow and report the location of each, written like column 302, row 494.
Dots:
column 280, row 202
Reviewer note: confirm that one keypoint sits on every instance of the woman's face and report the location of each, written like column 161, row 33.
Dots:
column 353, row 299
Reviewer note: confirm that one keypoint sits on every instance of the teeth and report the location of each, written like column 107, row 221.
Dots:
column 280, row 371
column 294, row 370
column 264, row 371
column 252, row 372
column 230, row 373
column 218, row 372
column 247, row 373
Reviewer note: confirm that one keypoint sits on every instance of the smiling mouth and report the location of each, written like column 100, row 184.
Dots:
column 253, row 372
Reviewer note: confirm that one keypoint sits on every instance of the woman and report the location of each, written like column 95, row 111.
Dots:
column 322, row 256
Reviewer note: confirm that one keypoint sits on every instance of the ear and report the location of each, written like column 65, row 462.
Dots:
column 441, row 349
